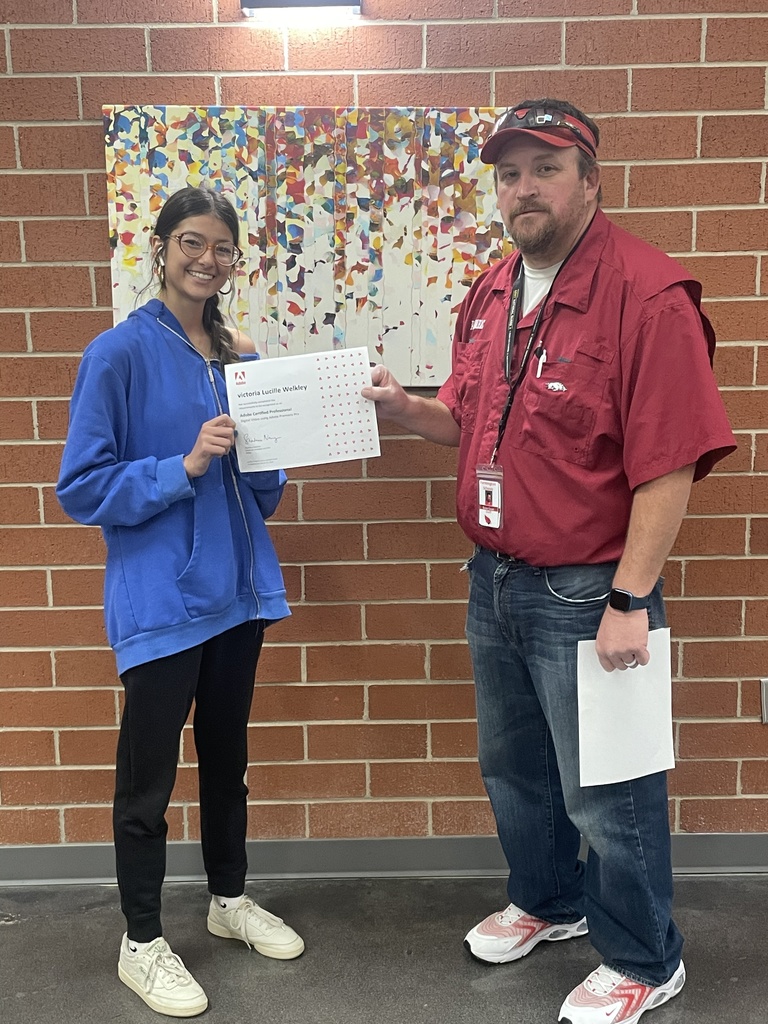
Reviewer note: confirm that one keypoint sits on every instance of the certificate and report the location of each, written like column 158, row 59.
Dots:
column 625, row 718
column 302, row 410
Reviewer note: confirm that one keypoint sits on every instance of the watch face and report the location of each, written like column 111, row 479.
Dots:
column 621, row 600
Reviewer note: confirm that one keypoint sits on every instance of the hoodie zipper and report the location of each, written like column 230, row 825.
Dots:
column 232, row 474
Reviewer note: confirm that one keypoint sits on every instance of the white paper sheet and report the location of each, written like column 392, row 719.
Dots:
column 302, row 410
column 625, row 718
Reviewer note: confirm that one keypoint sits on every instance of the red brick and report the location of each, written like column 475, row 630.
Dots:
column 720, row 230
column 447, row 581
column 632, row 42
column 27, row 827
column 716, row 660
column 735, row 365
column 668, row 138
column 54, row 514
column 97, row 197
column 52, row 420
column 365, row 582
column 421, row 541
column 442, row 499
column 37, row 286
column 279, row 664
column 42, row 195
column 94, row 824
column 729, row 495
column 56, row 708
column 404, row 10
column 366, row 742
column 76, row 241
column 55, row 12
column 57, row 786
column 280, row 90
column 603, row 91
column 218, row 48
column 136, row 12
column 103, row 279
column 25, row 668
column 265, row 821
column 365, row 662
column 671, row 231
column 721, row 536
column 723, row 739
column 695, row 89
column 746, row 38
column 318, row 543
column 450, row 662
column 695, row 184
column 424, row 701
column 57, row 148
column 19, row 505
column 736, row 815
column 429, row 620
column 88, row 746
column 275, row 743
column 739, row 461
column 731, row 577
column 454, row 739
column 68, row 331
column 55, row 628
column 334, row 471
column 86, row 668
column 321, row 622
column 761, row 377
column 725, row 136
column 22, row 96
column 30, row 463
column 704, row 699
column 739, row 321
column 154, row 90
column 673, row 576
column 16, row 423
column 756, row 618
column 23, row 588
column 306, row 781
column 472, row 89
column 368, row 820
column 406, row 457
column 462, row 818
column 745, row 410
column 613, row 185
column 496, row 45
column 78, row 49
column 754, row 777
column 703, row 778
column 750, row 704
column 13, row 332
column 723, row 275
column 306, row 703
column 30, row 747
column 434, row 778
column 364, row 501
column 562, row 9
column 10, row 242
column 7, row 148
column 78, row 587
column 361, row 47
column 698, row 6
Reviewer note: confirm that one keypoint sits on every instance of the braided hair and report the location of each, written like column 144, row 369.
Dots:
column 196, row 202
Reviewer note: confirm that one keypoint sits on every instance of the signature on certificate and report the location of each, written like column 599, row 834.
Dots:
column 260, row 439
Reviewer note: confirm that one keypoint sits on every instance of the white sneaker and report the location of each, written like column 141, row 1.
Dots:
column 255, row 927
column 512, row 934
column 607, row 997
column 159, row 976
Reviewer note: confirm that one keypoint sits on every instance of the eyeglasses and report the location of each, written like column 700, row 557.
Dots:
column 545, row 119
column 193, row 245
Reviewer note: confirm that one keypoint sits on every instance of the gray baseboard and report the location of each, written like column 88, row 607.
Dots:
column 457, row 856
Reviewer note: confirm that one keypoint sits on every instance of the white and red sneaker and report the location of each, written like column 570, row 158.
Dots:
column 607, row 997
column 512, row 934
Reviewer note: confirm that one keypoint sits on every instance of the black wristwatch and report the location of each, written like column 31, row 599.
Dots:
column 624, row 601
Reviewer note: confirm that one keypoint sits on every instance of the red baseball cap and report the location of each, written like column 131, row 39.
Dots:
column 548, row 124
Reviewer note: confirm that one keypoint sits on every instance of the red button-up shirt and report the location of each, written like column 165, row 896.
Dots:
column 625, row 394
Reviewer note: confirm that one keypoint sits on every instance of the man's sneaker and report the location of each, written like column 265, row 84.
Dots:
column 513, row 934
column 607, row 997
column 161, row 979
column 255, row 927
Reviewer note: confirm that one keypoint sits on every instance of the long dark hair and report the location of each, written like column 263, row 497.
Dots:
column 196, row 202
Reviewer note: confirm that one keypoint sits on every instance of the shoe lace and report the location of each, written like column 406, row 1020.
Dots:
column 510, row 915
column 250, row 911
column 603, row 981
column 167, row 961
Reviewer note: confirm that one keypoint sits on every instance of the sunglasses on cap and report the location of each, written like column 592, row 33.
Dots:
column 545, row 123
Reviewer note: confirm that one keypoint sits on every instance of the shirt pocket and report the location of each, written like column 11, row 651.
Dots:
column 560, row 407
column 473, row 356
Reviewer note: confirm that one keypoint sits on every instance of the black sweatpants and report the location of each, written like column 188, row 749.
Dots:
column 219, row 676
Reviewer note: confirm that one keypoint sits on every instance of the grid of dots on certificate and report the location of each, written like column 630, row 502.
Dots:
column 349, row 429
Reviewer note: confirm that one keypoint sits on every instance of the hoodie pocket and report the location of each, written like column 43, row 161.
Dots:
column 208, row 582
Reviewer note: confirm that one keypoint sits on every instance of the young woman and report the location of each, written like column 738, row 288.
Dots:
column 191, row 582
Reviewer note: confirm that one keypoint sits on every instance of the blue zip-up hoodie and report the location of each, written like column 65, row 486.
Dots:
column 186, row 559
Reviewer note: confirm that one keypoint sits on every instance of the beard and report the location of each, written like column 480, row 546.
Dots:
column 534, row 238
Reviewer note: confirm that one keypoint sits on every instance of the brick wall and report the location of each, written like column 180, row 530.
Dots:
column 362, row 720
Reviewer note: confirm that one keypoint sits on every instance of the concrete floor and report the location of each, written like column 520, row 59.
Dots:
column 379, row 951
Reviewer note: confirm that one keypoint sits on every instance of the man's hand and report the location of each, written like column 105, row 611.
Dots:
column 622, row 640
column 390, row 398
column 215, row 439
column 425, row 416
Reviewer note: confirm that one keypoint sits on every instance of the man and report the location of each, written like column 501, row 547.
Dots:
column 583, row 404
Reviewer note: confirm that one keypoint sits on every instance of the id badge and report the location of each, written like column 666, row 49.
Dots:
column 490, row 491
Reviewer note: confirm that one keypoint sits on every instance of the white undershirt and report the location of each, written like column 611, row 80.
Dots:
column 536, row 283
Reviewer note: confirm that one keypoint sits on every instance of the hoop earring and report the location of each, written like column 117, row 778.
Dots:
column 229, row 290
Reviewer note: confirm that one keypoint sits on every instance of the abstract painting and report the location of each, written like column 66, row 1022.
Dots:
column 361, row 226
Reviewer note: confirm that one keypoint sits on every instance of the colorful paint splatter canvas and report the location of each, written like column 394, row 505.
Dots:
column 361, row 226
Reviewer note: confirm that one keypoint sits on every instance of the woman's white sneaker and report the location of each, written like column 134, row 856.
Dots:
column 159, row 977
column 269, row 935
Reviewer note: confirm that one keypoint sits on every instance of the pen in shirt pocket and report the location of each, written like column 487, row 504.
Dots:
column 541, row 354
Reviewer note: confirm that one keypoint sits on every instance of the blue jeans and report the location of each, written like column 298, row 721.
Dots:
column 523, row 625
